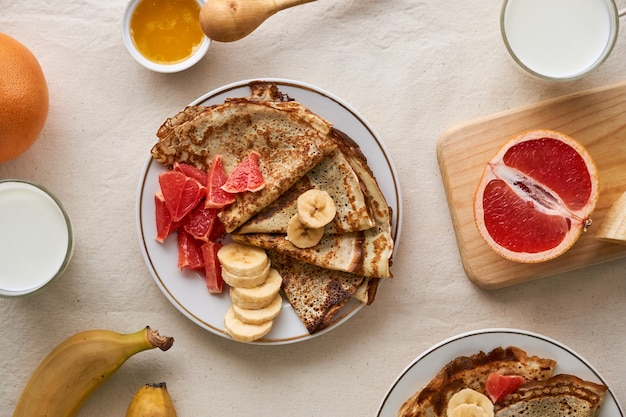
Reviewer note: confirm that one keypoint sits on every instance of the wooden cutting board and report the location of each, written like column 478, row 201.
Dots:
column 596, row 118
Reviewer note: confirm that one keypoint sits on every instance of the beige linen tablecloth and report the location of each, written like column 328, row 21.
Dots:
column 412, row 68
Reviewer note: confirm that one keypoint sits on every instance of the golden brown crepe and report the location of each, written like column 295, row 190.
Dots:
column 355, row 253
column 472, row 372
column 559, row 396
column 317, row 295
column 289, row 138
column 367, row 252
column 334, row 175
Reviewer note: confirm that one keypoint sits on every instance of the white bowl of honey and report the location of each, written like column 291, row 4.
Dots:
column 165, row 35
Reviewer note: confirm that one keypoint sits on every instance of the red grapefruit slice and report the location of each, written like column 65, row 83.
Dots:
column 536, row 196
column 201, row 222
column 255, row 176
column 216, row 197
column 180, row 192
column 212, row 267
column 246, row 176
column 189, row 252
column 164, row 224
column 192, row 172
column 237, row 181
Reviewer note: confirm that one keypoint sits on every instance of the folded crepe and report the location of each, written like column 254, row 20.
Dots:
column 472, row 372
column 560, row 396
column 356, row 253
column 367, row 252
column 289, row 138
column 316, row 295
column 334, row 175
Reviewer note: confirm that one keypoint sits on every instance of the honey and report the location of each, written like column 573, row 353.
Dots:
column 166, row 31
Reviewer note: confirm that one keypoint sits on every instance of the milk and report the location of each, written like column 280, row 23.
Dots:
column 35, row 238
column 559, row 38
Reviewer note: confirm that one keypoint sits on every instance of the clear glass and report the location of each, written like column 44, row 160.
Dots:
column 37, row 238
column 559, row 40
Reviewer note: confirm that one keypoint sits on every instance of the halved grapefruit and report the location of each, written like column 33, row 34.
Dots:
column 536, row 195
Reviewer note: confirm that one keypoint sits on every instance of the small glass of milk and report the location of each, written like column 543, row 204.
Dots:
column 559, row 39
column 36, row 238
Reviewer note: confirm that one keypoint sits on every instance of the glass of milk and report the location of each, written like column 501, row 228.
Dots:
column 36, row 238
column 559, row 39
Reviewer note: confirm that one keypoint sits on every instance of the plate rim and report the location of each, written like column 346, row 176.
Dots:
column 397, row 217
column 486, row 331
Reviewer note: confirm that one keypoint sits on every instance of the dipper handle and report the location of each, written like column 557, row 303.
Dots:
column 231, row 20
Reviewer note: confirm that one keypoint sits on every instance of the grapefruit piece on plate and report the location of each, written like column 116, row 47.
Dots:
column 536, row 196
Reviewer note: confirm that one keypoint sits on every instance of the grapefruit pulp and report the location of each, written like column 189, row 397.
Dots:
column 535, row 196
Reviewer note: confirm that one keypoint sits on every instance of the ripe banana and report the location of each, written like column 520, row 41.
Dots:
column 471, row 403
column 613, row 227
column 316, row 208
column 78, row 366
column 302, row 236
column 242, row 260
column 152, row 400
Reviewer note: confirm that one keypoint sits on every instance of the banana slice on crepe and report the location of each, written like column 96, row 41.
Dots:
column 469, row 403
column 302, row 236
column 469, row 410
column 316, row 208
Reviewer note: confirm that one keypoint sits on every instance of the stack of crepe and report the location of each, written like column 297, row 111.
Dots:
column 298, row 151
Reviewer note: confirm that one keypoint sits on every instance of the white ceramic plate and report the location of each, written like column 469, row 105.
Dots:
column 429, row 363
column 187, row 290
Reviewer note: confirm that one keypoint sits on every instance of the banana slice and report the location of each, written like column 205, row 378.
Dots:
column 259, row 315
column 468, row 410
column 301, row 235
column 613, row 227
column 245, row 282
column 259, row 296
column 244, row 332
column 316, row 208
column 243, row 260
column 472, row 397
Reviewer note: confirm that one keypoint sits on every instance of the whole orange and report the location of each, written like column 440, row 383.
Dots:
column 23, row 98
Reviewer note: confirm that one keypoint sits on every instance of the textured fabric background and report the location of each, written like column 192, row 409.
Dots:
column 412, row 68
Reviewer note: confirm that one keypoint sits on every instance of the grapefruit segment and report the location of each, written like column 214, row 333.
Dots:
column 237, row 181
column 201, row 222
column 180, row 192
column 192, row 172
column 255, row 177
column 189, row 252
column 216, row 197
column 212, row 268
column 536, row 195
column 164, row 224
column 246, row 176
